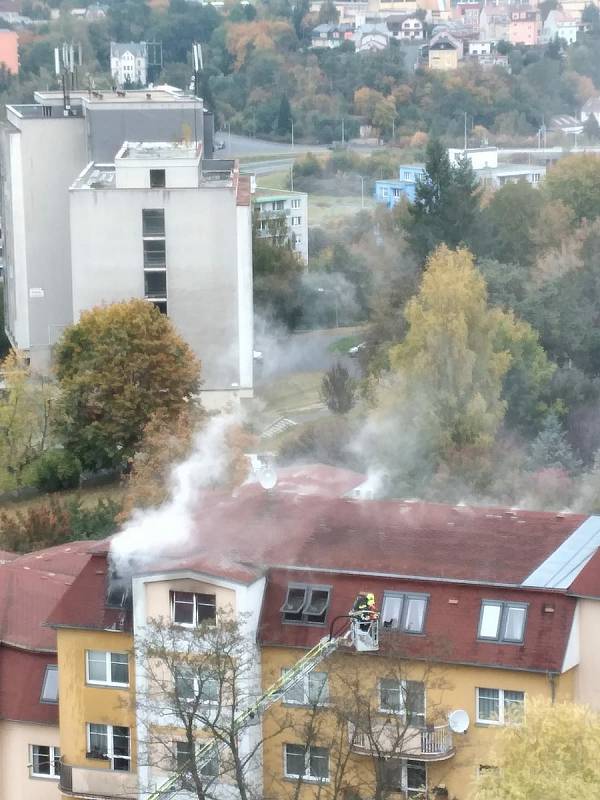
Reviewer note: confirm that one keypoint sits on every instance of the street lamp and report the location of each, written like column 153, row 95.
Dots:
column 321, row 290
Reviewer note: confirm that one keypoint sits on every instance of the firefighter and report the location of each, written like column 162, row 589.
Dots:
column 365, row 610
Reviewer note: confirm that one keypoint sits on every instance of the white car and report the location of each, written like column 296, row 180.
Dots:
column 354, row 351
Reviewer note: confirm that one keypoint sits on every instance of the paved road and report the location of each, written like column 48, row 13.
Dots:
column 285, row 354
column 244, row 146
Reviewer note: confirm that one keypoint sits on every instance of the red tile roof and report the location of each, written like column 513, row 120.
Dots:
column 587, row 583
column 450, row 634
column 21, row 677
column 481, row 545
column 83, row 606
column 31, row 585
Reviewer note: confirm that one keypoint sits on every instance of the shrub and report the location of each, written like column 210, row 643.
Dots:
column 93, row 523
column 54, row 471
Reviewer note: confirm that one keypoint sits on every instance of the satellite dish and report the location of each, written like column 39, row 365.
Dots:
column 267, row 477
column 458, row 721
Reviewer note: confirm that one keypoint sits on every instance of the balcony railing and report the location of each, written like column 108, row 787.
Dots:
column 425, row 743
column 86, row 782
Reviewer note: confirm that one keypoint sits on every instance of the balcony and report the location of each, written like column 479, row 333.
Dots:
column 422, row 743
column 96, row 784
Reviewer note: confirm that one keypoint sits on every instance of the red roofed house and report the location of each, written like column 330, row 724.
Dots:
column 30, row 585
column 481, row 609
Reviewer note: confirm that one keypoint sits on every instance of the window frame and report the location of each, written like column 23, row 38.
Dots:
column 161, row 175
column 501, row 721
column 187, row 781
column 308, row 588
column 108, row 654
column 195, row 623
column 401, row 711
column 306, row 776
column 400, row 765
column 405, row 597
column 304, row 684
column 147, row 214
column 49, row 668
column 53, row 757
column 110, row 755
column 195, row 680
column 505, row 606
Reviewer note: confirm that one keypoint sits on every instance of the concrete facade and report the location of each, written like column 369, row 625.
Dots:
column 204, row 279
column 17, row 779
column 43, row 151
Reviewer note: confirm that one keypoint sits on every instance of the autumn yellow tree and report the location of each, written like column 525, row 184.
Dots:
column 450, row 352
column 244, row 37
column 27, row 405
column 552, row 754
column 117, row 367
column 575, row 181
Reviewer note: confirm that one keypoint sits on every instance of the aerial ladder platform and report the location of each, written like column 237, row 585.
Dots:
column 362, row 635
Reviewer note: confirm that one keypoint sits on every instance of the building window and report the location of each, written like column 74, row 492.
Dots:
column 499, row 706
column 502, row 621
column 305, row 603
column 278, row 205
column 155, row 254
column 50, row 685
column 192, row 609
column 161, row 305
column 192, row 685
column 106, row 669
column 309, row 763
column 403, row 697
column 295, row 203
column 45, row 761
column 311, row 690
column 109, row 743
column 183, row 756
column 404, row 612
column 296, row 220
column 153, row 221
column 405, row 776
column 155, row 284
column 157, row 179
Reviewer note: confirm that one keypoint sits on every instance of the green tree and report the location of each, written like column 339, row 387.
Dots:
column 511, row 219
column 591, row 128
column 328, row 13
column 526, row 384
column 551, row 754
column 575, row 181
column 446, row 203
column 550, row 448
column 277, row 274
column 451, row 353
column 4, row 343
column 27, row 405
column 338, row 389
column 116, row 368
column 284, row 118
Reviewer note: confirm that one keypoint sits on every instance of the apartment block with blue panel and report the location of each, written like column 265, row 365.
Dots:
column 390, row 192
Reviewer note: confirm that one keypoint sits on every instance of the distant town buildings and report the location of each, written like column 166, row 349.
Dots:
column 290, row 208
column 484, row 160
column 129, row 63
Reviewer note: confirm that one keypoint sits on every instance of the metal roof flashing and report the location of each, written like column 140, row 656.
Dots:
column 563, row 566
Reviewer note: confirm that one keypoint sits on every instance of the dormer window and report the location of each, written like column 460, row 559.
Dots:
column 502, row 621
column 404, row 612
column 305, row 603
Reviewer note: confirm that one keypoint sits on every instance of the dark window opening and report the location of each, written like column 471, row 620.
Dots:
column 153, row 221
column 305, row 603
column 157, row 179
column 155, row 284
column 155, row 254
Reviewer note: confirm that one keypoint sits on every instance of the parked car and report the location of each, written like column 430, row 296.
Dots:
column 356, row 350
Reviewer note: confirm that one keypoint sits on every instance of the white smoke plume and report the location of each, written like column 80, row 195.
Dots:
column 152, row 533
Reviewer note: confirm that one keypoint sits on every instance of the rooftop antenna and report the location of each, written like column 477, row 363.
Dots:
column 67, row 58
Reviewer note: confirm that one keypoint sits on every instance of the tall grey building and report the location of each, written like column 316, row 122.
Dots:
column 164, row 224
column 44, row 147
